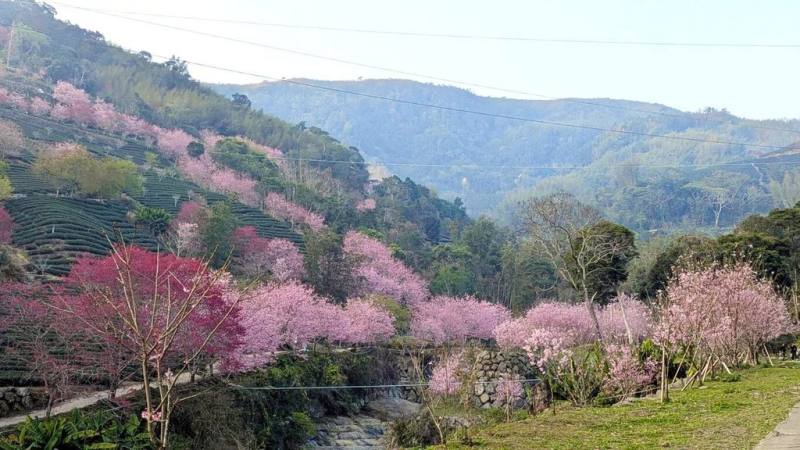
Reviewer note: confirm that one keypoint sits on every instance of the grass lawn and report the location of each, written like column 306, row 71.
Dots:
column 721, row 415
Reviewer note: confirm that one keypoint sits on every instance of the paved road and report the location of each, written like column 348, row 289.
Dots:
column 786, row 435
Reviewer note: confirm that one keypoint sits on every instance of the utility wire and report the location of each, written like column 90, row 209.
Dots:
column 373, row 386
column 493, row 115
column 544, row 40
column 396, row 71
column 434, row 165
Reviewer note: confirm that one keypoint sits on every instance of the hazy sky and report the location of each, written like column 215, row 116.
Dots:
column 752, row 82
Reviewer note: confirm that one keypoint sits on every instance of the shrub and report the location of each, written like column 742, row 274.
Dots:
column 156, row 219
column 578, row 374
column 78, row 431
column 195, row 149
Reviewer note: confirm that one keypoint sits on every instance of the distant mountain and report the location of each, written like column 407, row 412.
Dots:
column 489, row 160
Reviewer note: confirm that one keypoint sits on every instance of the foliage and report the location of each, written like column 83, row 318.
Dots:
column 156, row 219
column 216, row 234
column 72, row 168
column 603, row 262
column 195, row 149
column 6, row 226
column 328, row 269
column 79, row 431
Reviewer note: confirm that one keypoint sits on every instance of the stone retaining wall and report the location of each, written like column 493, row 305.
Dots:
column 14, row 400
column 491, row 367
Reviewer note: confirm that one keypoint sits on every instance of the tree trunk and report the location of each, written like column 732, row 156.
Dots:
column 589, row 301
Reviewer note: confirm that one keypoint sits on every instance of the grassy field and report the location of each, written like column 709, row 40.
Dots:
column 720, row 415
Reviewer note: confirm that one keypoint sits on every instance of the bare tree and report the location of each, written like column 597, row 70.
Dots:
column 564, row 231
column 719, row 192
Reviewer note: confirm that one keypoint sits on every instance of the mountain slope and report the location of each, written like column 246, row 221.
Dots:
column 443, row 142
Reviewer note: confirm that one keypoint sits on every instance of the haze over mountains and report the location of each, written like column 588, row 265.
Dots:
column 643, row 181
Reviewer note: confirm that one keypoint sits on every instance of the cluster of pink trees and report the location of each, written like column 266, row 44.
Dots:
column 723, row 313
column 75, row 105
column 378, row 272
column 290, row 315
column 258, row 257
column 443, row 319
column 278, row 206
column 559, row 325
column 205, row 172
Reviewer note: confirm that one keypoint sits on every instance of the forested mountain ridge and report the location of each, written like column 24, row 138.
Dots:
column 485, row 160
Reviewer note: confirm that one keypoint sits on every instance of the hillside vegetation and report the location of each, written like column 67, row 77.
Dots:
column 640, row 181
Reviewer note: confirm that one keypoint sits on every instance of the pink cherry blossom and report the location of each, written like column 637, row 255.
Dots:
column 278, row 206
column 455, row 319
column 257, row 256
column 446, row 375
column 378, row 272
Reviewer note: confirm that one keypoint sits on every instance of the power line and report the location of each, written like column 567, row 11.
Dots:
column 398, row 71
column 493, row 115
column 434, row 165
column 368, row 386
column 543, row 40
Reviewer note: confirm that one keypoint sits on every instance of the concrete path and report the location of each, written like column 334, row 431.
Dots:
column 786, row 435
column 83, row 401
column 64, row 407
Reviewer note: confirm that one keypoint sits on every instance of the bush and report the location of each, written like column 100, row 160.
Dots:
column 730, row 377
column 578, row 375
column 195, row 149
column 415, row 431
column 79, row 430
column 156, row 219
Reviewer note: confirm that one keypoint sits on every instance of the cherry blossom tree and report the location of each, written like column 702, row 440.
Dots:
column 623, row 320
column 290, row 315
column 166, row 312
column 723, row 313
column 627, row 374
column 378, row 272
column 278, row 206
column 40, row 107
column 191, row 211
column 106, row 117
column 258, row 257
column 72, row 104
column 173, row 142
column 281, row 315
column 362, row 322
column 447, row 375
column 455, row 319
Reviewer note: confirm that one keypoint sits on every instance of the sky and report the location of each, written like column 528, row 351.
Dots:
column 751, row 82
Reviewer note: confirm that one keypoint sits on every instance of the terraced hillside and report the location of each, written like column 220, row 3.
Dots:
column 53, row 230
